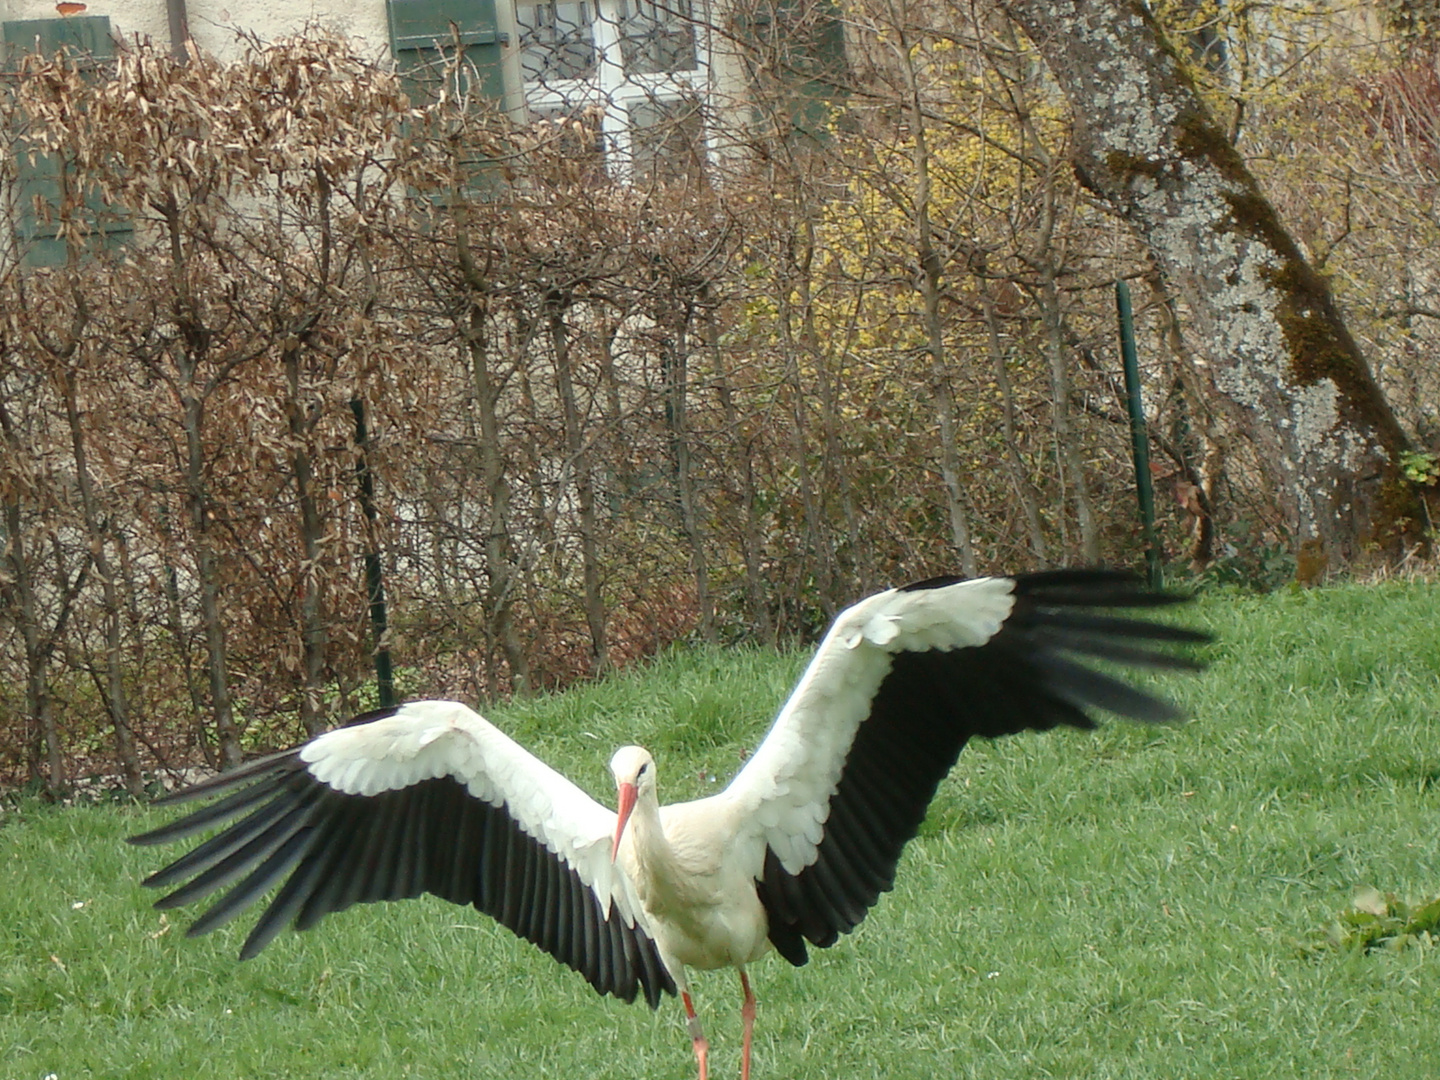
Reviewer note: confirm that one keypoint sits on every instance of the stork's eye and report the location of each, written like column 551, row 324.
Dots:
column 642, row 770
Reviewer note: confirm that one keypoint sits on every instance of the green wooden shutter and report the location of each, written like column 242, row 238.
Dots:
column 803, row 41
column 423, row 36
column 41, row 178
column 80, row 34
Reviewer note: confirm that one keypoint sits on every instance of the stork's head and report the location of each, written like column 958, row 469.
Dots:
column 634, row 771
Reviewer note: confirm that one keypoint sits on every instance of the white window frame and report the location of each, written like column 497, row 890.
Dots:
column 612, row 91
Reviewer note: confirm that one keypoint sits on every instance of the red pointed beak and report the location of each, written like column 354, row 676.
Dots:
column 623, row 811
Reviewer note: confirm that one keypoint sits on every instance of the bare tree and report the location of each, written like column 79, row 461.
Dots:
column 577, row 447
column 99, row 529
column 39, row 609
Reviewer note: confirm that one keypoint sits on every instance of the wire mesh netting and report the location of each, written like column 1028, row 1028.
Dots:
column 625, row 78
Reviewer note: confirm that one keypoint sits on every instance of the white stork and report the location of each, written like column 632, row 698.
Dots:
column 429, row 797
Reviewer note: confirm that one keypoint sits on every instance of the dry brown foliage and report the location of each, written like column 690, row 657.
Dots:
column 604, row 417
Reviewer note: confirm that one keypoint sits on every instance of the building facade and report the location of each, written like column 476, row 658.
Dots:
column 651, row 78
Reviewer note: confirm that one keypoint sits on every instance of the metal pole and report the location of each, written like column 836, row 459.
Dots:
column 179, row 22
column 374, row 576
column 1139, row 439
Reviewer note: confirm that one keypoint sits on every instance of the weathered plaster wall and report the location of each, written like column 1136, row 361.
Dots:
column 213, row 23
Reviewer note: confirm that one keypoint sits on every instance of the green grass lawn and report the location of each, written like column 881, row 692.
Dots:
column 1131, row 903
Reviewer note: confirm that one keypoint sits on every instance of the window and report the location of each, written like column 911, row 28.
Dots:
column 627, row 82
column 557, row 42
column 796, row 60
column 667, row 138
column 452, row 48
column 637, row 67
column 656, row 39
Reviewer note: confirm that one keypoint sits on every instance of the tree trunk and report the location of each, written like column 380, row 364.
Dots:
column 794, row 299
column 502, row 567
column 113, row 684
column 840, row 576
column 1071, row 460
column 207, row 571
column 175, row 624
column 928, row 282
column 313, row 633
column 751, row 531
column 43, row 762
column 374, row 570
column 675, row 364
column 579, row 456
column 1014, row 460
column 1279, row 357
column 186, row 355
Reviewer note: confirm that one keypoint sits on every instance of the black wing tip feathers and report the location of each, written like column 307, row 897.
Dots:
column 222, row 781
column 1088, row 585
column 1066, row 577
column 939, row 581
column 1093, row 586
column 1070, row 591
column 1060, row 621
column 229, row 779
column 1071, row 595
column 1065, row 602
column 382, row 713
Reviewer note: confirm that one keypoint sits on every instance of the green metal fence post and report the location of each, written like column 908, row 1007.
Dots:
column 374, row 576
column 1139, row 438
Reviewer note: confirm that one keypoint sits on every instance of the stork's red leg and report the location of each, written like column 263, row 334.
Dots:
column 747, row 1014
column 697, row 1036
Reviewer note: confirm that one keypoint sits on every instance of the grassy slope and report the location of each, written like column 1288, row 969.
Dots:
column 1126, row 904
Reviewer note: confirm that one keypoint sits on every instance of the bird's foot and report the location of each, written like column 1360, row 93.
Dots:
column 702, row 1056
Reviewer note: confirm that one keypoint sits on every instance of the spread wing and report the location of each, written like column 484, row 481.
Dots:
column 901, row 682
column 428, row 797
